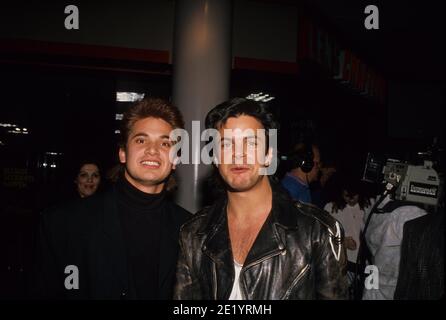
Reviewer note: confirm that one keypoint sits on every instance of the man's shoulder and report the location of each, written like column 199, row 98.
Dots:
column 179, row 212
column 424, row 224
column 76, row 211
column 324, row 226
column 205, row 218
column 316, row 215
column 289, row 180
column 197, row 220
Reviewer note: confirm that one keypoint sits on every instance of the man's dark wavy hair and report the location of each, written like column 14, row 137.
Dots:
column 237, row 107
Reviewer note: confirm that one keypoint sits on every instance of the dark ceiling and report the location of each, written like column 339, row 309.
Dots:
column 410, row 42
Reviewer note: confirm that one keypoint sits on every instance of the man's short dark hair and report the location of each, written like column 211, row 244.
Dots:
column 237, row 107
column 146, row 108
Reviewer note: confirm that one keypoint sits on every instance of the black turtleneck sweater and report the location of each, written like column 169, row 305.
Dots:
column 140, row 216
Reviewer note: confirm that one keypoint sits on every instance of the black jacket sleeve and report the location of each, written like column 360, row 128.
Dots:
column 46, row 281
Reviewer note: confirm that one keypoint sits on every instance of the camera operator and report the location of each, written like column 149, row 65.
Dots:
column 412, row 192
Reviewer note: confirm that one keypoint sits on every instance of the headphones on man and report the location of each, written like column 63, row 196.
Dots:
column 302, row 158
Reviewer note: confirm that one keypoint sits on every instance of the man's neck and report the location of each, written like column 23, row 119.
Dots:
column 254, row 203
column 151, row 189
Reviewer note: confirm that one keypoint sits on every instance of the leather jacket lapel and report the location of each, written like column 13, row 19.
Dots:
column 217, row 247
column 271, row 239
column 267, row 244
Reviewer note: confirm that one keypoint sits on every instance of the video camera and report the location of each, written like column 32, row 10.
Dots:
column 412, row 183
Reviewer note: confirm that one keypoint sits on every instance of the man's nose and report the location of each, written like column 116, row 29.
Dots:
column 239, row 150
column 152, row 148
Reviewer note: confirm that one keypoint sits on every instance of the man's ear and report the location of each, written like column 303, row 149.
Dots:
column 269, row 157
column 175, row 162
column 122, row 155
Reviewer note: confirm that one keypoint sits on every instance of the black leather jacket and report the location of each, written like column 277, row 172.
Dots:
column 297, row 255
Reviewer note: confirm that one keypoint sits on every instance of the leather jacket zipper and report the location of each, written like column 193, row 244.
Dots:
column 253, row 264
column 295, row 281
column 261, row 260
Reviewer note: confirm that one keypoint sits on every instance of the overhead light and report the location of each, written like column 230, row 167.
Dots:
column 18, row 131
column 119, row 116
column 7, row 125
column 129, row 96
column 117, row 131
column 44, row 164
column 24, row 129
column 54, row 153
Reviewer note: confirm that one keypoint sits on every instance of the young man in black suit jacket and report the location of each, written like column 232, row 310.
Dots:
column 121, row 244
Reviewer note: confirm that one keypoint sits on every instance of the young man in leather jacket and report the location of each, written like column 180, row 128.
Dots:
column 255, row 242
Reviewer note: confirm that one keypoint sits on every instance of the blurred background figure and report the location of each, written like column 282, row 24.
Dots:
column 383, row 238
column 304, row 165
column 88, row 179
column 114, row 173
column 349, row 208
column 322, row 190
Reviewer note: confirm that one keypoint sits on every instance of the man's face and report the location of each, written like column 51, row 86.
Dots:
column 240, row 149
column 146, row 155
column 313, row 175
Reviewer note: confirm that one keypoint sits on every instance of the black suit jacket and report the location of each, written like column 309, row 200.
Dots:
column 421, row 272
column 87, row 234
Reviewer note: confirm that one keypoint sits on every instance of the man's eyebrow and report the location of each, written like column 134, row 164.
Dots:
column 247, row 137
column 139, row 134
column 142, row 134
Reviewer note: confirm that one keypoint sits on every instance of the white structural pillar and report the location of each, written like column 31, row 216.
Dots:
column 201, row 78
